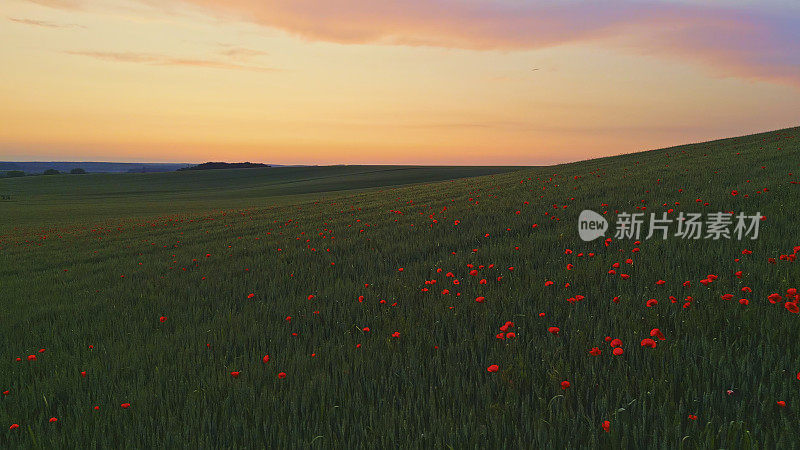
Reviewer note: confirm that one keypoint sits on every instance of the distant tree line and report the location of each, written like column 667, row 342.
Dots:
column 19, row 173
column 224, row 165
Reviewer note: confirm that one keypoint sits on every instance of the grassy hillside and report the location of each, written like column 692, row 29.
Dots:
column 366, row 302
column 54, row 201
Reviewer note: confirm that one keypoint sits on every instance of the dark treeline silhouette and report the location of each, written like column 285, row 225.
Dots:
column 224, row 165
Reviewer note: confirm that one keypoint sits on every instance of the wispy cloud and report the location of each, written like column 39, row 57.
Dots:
column 165, row 60
column 62, row 4
column 241, row 53
column 43, row 23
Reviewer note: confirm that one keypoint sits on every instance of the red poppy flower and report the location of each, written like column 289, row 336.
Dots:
column 618, row 351
column 480, row 299
column 6, row 392
column 53, row 420
column 652, row 302
column 648, row 343
column 692, row 417
column 96, row 408
column 554, row 330
column 493, row 368
column 781, row 403
column 265, row 359
column 162, row 319
column 123, row 406
column 235, row 374
column 251, row 295
column 396, row 334
column 656, row 333
column 595, row 351
column 282, row 375
column 13, row 426
column 565, row 385
column 31, row 357
column 616, row 342
column 83, row 374
column 606, row 426
column 792, row 307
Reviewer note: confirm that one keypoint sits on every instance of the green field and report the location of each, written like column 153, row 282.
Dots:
column 294, row 263
column 53, row 201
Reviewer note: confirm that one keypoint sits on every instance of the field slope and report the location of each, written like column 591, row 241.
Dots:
column 365, row 304
column 58, row 200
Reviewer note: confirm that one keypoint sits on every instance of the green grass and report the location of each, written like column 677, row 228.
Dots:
column 53, row 201
column 103, row 282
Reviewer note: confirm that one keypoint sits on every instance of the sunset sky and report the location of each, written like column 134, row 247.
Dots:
column 402, row 82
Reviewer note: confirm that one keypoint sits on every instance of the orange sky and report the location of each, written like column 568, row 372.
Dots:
column 365, row 81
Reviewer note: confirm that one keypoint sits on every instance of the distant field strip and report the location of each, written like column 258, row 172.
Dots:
column 58, row 200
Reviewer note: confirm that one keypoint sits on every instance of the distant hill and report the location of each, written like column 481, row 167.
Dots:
column 224, row 165
column 34, row 167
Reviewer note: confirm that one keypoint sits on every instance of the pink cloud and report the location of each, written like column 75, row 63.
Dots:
column 738, row 42
column 747, row 42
